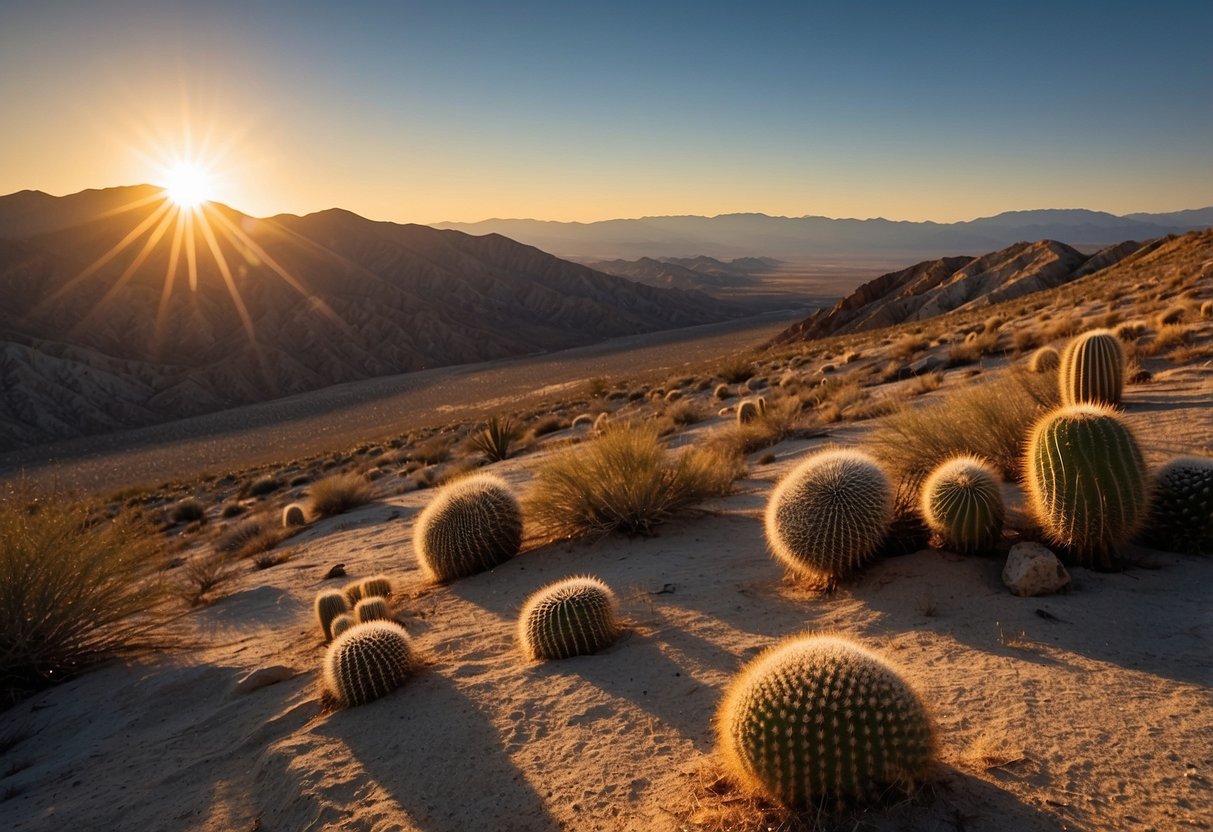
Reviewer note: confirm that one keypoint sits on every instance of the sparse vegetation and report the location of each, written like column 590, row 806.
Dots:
column 494, row 441
column 339, row 493
column 188, row 510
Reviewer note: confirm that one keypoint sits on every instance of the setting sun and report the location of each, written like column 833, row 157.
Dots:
column 187, row 184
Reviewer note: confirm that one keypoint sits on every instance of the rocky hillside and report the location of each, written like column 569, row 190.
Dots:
column 934, row 287
column 118, row 321
column 701, row 274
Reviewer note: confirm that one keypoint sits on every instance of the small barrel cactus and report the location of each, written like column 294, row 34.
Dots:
column 376, row 586
column 827, row 517
column 1086, row 481
column 761, row 401
column 571, row 617
column 372, row 609
column 820, row 716
column 330, row 604
column 294, row 515
column 353, row 592
column 472, row 525
column 1181, row 506
column 747, row 411
column 342, row 623
column 673, row 395
column 1092, row 369
column 722, row 391
column 1206, row 310
column 962, row 504
column 368, row 661
column 1044, row 360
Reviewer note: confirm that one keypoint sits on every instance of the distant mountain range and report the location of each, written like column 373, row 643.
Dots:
column 93, row 337
column 701, row 274
column 735, row 235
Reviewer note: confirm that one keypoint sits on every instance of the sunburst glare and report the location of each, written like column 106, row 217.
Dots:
column 188, row 184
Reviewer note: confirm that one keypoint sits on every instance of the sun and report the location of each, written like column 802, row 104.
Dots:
column 187, row 184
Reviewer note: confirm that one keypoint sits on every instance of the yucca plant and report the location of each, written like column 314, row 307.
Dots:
column 496, row 438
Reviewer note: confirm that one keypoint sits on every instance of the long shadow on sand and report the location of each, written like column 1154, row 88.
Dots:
column 440, row 759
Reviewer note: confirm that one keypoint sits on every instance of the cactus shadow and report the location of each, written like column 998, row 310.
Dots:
column 957, row 799
column 438, row 756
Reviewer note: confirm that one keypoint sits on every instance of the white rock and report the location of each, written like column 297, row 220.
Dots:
column 1033, row 570
column 263, row 677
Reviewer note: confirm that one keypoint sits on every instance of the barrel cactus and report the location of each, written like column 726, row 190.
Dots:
column 1086, row 481
column 1181, row 506
column 962, row 504
column 342, row 623
column 372, row 609
column 571, row 617
column 820, row 716
column 1044, row 360
column 294, row 515
column 330, row 604
column 747, row 411
column 376, row 586
column 472, row 525
column 1092, row 369
column 353, row 592
column 827, row 517
column 1206, row 310
column 368, row 661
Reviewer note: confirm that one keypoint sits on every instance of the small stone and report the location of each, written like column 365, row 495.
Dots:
column 337, row 571
column 1033, row 570
column 264, row 677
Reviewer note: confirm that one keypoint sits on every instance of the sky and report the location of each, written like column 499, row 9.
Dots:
column 459, row 111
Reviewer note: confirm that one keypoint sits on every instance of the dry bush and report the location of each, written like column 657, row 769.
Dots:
column 1025, row 339
column 778, row 423
column 926, row 383
column 550, row 423
column 1169, row 336
column 1062, row 327
column 971, row 349
column 1190, row 354
column 624, row 480
column 683, row 413
column 200, row 577
column 990, row 420
column 735, row 370
column 340, row 493
column 908, row 346
column 73, row 591
column 432, row 451
column 188, row 510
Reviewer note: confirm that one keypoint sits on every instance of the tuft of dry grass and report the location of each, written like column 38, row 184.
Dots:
column 494, row 441
column 1170, row 336
column 926, row 383
column 735, row 370
column 202, row 576
column 340, row 493
column 776, row 424
column 971, row 349
column 623, row 480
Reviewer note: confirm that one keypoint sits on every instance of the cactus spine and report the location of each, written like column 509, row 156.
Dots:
column 747, row 411
column 1092, row 369
column 372, row 609
column 367, row 661
column 819, row 716
column 826, row 518
column 376, row 586
column 1086, row 481
column 571, row 617
column 1181, row 507
column 294, row 515
column 1044, row 360
column 330, row 604
column 472, row 525
column 342, row 623
column 962, row 504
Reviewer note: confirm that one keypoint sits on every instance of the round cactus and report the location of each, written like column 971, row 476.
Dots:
column 571, row 617
column 747, row 411
column 820, row 716
column 1086, row 481
column 342, row 623
column 1181, row 507
column 372, row 609
column 294, row 515
column 1206, row 310
column 1044, row 360
column 353, row 593
column 826, row 518
column 472, row 525
column 962, row 504
column 722, row 391
column 376, row 586
column 1092, row 369
column 330, row 604
column 368, row 661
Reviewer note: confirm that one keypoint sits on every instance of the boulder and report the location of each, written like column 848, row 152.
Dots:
column 1032, row 569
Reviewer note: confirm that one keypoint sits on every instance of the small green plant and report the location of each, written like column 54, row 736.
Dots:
column 571, row 617
column 827, row 517
column 330, row 603
column 368, row 661
column 339, row 493
column 496, row 438
column 1181, row 506
column 1092, row 369
column 819, row 717
column 470, row 526
column 962, row 504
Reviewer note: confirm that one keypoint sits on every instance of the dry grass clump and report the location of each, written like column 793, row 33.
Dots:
column 202, row 576
column 684, row 413
column 250, row 537
column 926, row 383
column 188, row 510
column 776, row 424
column 1060, row 327
column 340, row 493
column 623, row 480
column 432, row 451
column 263, row 486
column 908, row 346
column 735, row 370
column 971, row 349
column 989, row 420
column 1169, row 336
column 73, row 590
column 494, row 441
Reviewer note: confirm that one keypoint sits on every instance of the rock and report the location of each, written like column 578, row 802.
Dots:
column 927, row 365
column 264, row 677
column 337, row 571
column 1033, row 570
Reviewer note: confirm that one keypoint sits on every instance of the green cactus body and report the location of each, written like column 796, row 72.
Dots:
column 571, row 617
column 376, row 586
column 330, row 604
column 1181, row 506
column 962, row 504
column 368, row 661
column 1044, row 360
column 826, row 518
column 472, row 525
column 820, row 716
column 294, row 515
column 342, row 623
column 372, row 609
column 353, row 593
column 1086, row 481
column 1092, row 369
column 747, row 411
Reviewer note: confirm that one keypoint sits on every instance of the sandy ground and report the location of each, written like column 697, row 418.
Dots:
column 1095, row 704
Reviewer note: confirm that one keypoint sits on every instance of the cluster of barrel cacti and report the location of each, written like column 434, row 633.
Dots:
column 748, row 410
column 367, row 661
column 356, row 602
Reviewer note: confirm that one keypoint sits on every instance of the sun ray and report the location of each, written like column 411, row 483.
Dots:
column 170, row 278
column 226, row 273
column 191, row 251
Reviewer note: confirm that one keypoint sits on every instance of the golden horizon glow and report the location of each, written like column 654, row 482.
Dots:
column 187, row 184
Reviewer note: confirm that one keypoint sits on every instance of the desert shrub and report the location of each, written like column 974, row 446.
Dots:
column 684, row 413
column 926, row 383
column 340, row 493
column 1170, row 336
column 1171, row 315
column 908, row 346
column 971, row 349
column 263, row 486
column 597, row 386
column 188, row 510
column 1025, row 339
column 494, row 440
column 735, row 370
column 550, row 423
column 623, row 480
column 201, row 576
column 73, row 591
column 233, row 510
column 989, row 420
column 234, row 538
column 871, row 408
column 432, row 451
column 776, row 423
